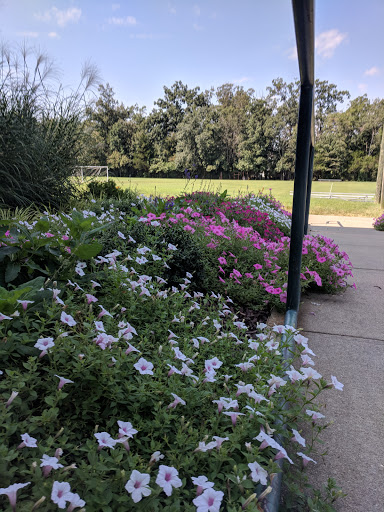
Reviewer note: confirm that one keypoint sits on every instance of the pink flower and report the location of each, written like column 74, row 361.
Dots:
column 11, row 398
column 91, row 298
column 74, row 501
column 4, row 317
column 105, row 440
column 202, row 483
column 167, row 478
column 234, row 416
column 137, row 485
column 67, row 319
column 25, row 303
column 126, row 429
column 65, row 237
column 28, row 441
column 44, row 344
column 177, row 400
column 219, row 441
column 306, row 459
column 258, row 266
column 63, row 381
column 258, row 474
column 222, row 260
column 49, row 235
column 314, row 414
column 209, row 501
column 144, row 367
column 338, row 385
column 298, row 438
column 61, row 492
column 49, row 463
column 11, row 492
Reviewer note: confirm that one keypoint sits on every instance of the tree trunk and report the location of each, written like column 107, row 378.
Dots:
column 380, row 175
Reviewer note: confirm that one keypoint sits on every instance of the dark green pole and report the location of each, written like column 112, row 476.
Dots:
column 303, row 12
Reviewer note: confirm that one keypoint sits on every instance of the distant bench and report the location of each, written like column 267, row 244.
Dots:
column 342, row 195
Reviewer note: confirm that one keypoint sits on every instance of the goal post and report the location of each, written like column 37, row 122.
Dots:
column 91, row 171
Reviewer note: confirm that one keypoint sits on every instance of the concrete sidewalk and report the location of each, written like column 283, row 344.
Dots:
column 346, row 332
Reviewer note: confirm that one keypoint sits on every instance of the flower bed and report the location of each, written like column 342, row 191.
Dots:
column 121, row 390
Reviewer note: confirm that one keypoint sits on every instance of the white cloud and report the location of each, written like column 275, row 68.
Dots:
column 123, row 22
column 241, row 80
column 53, row 35
column 372, row 71
column 197, row 27
column 362, row 87
column 327, row 42
column 196, row 10
column 115, row 7
column 292, row 53
column 28, row 34
column 71, row 15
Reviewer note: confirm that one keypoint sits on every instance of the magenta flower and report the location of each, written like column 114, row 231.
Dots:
column 168, row 479
column 63, row 381
column 144, row 367
column 11, row 492
column 222, row 260
column 61, row 493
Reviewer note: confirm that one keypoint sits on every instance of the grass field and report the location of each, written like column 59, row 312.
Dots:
column 280, row 190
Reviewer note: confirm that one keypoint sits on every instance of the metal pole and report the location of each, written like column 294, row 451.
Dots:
column 303, row 11
column 309, row 188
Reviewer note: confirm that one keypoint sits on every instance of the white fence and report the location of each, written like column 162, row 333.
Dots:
column 369, row 198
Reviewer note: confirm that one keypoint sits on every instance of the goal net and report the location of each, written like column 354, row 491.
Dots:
column 85, row 172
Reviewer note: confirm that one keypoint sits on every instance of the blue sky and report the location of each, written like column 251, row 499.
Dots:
column 141, row 45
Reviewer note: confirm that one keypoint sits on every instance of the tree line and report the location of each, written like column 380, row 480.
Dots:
column 230, row 132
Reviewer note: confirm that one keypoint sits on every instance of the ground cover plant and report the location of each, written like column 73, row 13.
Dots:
column 378, row 223
column 127, row 386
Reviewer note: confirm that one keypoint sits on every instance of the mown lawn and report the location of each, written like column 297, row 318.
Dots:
column 280, row 190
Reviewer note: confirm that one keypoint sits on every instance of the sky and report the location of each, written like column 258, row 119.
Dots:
column 139, row 46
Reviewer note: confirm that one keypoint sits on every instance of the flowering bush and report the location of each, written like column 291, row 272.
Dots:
column 379, row 223
column 252, row 269
column 121, row 392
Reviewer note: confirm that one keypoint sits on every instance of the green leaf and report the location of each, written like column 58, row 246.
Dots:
column 42, row 225
column 6, row 251
column 11, row 272
column 88, row 251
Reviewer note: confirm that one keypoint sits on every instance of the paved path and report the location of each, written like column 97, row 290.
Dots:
column 346, row 332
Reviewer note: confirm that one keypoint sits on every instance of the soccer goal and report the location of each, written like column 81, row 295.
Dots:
column 91, row 171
